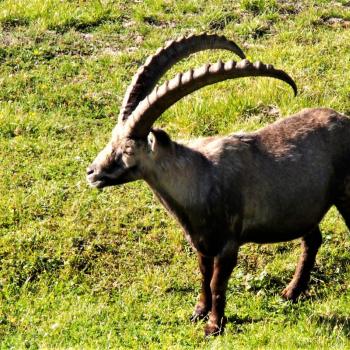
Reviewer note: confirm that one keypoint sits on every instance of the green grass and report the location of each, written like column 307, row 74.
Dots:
column 83, row 269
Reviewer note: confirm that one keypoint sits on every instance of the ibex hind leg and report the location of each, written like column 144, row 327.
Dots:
column 344, row 210
column 310, row 245
column 343, row 202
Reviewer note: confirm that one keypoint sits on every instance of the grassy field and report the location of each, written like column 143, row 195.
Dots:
column 83, row 269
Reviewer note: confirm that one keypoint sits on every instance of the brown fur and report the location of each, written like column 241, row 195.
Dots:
column 272, row 185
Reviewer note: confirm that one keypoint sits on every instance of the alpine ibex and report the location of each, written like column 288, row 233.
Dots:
column 267, row 186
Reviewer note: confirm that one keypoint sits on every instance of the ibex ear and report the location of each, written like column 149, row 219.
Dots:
column 157, row 138
column 152, row 142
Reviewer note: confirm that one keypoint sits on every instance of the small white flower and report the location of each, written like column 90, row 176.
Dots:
column 54, row 326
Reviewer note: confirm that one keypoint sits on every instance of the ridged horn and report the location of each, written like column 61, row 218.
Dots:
column 162, row 97
column 156, row 65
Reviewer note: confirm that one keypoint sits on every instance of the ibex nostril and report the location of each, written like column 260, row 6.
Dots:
column 89, row 171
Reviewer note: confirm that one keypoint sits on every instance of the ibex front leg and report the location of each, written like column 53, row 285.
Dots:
column 206, row 266
column 223, row 266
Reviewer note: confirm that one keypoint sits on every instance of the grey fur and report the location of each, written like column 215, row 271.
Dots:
column 272, row 185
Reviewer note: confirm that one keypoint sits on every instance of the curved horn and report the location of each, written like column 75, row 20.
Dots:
column 156, row 65
column 162, row 97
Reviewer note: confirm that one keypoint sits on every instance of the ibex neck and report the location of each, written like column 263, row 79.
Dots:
column 182, row 176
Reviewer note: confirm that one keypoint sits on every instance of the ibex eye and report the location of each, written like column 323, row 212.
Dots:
column 129, row 151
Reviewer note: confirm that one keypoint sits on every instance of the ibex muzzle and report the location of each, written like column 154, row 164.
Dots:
column 272, row 185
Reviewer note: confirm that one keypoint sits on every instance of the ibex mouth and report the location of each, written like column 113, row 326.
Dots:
column 95, row 181
column 96, row 184
column 103, row 180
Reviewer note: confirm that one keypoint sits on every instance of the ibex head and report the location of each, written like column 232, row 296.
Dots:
column 117, row 162
column 134, row 145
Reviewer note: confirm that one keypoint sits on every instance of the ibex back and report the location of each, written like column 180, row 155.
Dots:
column 268, row 186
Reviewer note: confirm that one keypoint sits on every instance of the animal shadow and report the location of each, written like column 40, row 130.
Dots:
column 333, row 322
column 238, row 321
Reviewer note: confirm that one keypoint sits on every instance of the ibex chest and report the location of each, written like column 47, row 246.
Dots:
column 207, row 232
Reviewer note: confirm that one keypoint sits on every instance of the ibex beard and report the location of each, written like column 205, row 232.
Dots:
column 272, row 185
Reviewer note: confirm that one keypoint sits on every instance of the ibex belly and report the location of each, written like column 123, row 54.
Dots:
column 285, row 210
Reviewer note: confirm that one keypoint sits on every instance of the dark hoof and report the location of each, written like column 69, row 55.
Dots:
column 291, row 293
column 200, row 313
column 198, row 317
column 213, row 329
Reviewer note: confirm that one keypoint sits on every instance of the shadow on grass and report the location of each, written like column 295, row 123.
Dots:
column 237, row 320
column 13, row 22
column 85, row 26
column 78, row 24
column 334, row 322
column 180, row 289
